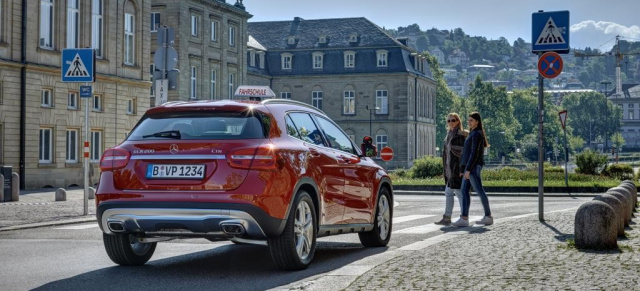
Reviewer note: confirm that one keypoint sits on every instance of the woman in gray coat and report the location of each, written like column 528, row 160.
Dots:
column 451, row 152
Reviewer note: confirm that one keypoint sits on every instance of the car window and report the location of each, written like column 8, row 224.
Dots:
column 307, row 128
column 291, row 128
column 200, row 125
column 336, row 138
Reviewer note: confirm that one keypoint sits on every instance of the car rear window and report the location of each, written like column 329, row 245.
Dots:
column 201, row 125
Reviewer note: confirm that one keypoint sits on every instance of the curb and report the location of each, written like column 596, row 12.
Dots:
column 90, row 218
column 497, row 194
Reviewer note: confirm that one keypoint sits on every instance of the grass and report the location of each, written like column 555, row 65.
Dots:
column 571, row 245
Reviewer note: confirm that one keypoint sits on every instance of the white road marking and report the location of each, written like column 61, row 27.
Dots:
column 76, row 227
column 427, row 228
column 401, row 219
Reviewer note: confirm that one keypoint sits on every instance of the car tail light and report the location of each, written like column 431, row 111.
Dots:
column 261, row 158
column 114, row 159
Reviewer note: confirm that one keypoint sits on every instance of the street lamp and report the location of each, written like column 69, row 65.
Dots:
column 371, row 110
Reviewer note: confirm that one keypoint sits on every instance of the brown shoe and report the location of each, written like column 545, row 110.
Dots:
column 446, row 220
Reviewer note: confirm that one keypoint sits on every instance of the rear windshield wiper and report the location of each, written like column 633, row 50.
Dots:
column 165, row 134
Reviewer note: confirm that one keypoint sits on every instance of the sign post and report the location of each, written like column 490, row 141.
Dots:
column 563, row 120
column 78, row 65
column 549, row 33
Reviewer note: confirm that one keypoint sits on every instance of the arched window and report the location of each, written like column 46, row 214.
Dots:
column 285, row 93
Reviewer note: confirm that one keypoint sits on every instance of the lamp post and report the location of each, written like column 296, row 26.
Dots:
column 370, row 117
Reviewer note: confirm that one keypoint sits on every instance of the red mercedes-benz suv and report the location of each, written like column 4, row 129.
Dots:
column 277, row 173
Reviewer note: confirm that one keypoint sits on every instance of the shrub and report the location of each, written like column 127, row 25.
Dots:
column 589, row 162
column 427, row 167
column 402, row 173
column 509, row 169
column 619, row 171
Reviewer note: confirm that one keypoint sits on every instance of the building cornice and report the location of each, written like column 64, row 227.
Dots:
column 225, row 7
column 99, row 77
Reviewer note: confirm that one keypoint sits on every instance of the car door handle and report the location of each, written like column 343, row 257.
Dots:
column 314, row 152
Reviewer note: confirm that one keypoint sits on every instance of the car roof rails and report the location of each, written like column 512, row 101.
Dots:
column 292, row 102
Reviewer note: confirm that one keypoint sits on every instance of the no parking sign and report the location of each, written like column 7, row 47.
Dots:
column 550, row 65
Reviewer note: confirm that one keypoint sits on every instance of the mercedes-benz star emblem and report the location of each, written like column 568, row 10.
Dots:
column 173, row 149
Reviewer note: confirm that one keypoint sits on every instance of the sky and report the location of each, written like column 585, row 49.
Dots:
column 594, row 23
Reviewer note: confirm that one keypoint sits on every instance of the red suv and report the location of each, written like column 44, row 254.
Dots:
column 277, row 173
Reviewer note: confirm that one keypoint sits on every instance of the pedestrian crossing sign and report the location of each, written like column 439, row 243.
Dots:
column 78, row 65
column 550, row 32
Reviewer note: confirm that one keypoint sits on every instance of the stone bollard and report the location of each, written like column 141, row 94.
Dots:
column 595, row 226
column 92, row 193
column 617, row 209
column 61, row 194
column 625, row 203
column 627, row 193
column 634, row 191
column 15, row 191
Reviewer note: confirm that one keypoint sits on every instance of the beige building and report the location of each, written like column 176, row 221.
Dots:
column 211, row 42
column 41, row 117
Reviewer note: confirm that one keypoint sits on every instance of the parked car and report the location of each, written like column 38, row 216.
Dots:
column 277, row 173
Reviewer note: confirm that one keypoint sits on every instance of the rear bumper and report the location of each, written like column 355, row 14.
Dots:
column 188, row 219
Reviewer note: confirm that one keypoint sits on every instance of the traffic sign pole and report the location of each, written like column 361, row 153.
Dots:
column 540, row 145
column 85, row 153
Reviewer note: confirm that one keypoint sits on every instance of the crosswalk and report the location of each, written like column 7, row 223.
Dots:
column 77, row 227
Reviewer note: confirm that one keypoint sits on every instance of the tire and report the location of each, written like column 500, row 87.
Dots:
column 124, row 251
column 380, row 235
column 295, row 247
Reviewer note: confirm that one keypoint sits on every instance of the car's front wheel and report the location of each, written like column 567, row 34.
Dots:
column 126, row 250
column 380, row 235
column 295, row 247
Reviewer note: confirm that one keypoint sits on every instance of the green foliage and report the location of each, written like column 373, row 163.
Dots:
column 589, row 162
column 591, row 115
column 619, row 171
column 617, row 140
column 446, row 100
column 427, row 167
column 508, row 169
column 401, row 173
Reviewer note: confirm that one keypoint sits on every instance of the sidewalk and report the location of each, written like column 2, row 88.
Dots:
column 38, row 208
column 521, row 253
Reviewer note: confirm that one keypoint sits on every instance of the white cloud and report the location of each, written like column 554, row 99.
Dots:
column 600, row 34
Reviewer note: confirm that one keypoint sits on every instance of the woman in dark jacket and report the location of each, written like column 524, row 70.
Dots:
column 471, row 164
column 451, row 152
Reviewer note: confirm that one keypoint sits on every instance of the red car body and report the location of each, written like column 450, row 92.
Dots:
column 241, row 189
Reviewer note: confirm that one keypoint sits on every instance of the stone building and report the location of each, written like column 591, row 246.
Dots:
column 629, row 102
column 365, row 80
column 211, row 42
column 41, row 117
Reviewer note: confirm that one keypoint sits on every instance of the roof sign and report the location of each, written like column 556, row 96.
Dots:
column 253, row 92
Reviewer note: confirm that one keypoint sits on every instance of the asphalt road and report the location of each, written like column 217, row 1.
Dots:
column 72, row 257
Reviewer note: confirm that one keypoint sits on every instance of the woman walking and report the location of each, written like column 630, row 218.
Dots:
column 451, row 152
column 471, row 164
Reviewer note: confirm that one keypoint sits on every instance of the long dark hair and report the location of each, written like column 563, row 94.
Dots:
column 476, row 116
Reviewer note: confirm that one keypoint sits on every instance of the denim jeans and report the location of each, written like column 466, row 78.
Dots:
column 448, row 193
column 475, row 181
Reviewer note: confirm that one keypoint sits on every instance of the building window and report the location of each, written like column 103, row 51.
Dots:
column 381, row 142
column 47, row 98
column 287, row 61
column 194, row 25
column 129, row 53
column 252, row 58
column 630, row 105
column 353, row 37
column 131, row 106
column 349, row 104
column 96, row 146
column 285, row 95
column 382, row 58
column 261, row 57
column 194, row 79
column 382, row 102
column 214, row 75
column 322, row 39
column 631, row 114
column 46, row 146
column 349, row 59
column 97, row 103
column 96, row 27
column 73, row 12
column 316, row 99
column 232, row 36
column 46, row 24
column 155, row 21
column 72, row 100
column 318, row 59
column 72, row 146
column 231, row 77
column 214, row 31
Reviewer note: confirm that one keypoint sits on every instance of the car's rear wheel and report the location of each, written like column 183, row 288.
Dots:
column 295, row 247
column 380, row 235
column 126, row 250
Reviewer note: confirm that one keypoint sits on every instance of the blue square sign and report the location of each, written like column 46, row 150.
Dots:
column 78, row 65
column 550, row 32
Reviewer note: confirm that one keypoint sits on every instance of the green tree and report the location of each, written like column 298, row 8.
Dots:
column 446, row 100
column 592, row 116
column 617, row 140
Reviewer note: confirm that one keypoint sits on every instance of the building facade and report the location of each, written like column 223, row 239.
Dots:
column 629, row 103
column 211, row 42
column 366, row 81
column 41, row 117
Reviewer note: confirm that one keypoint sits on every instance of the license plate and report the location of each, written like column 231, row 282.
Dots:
column 175, row 171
